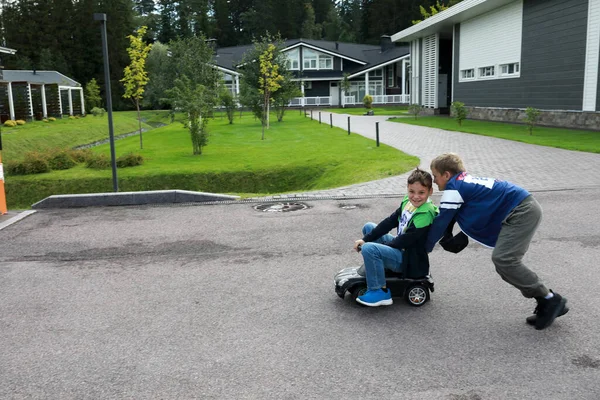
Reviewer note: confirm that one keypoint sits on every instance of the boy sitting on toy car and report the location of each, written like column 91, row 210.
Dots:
column 405, row 252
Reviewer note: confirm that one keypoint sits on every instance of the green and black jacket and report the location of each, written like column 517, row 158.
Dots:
column 415, row 261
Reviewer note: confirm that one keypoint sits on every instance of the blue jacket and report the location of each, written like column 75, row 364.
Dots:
column 479, row 206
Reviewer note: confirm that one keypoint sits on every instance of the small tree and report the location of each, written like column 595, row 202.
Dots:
column 269, row 80
column 250, row 98
column 532, row 118
column 288, row 90
column 92, row 94
column 345, row 85
column 228, row 102
column 460, row 111
column 195, row 101
column 415, row 109
column 135, row 76
column 264, row 72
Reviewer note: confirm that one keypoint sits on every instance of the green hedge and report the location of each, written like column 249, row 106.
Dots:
column 22, row 193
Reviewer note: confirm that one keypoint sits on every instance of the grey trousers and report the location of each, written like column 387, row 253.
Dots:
column 513, row 242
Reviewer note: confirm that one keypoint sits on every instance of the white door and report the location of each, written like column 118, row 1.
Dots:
column 334, row 92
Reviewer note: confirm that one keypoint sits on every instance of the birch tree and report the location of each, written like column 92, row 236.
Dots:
column 135, row 76
column 269, row 80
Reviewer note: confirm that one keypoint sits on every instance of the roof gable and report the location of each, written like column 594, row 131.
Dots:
column 365, row 55
column 39, row 77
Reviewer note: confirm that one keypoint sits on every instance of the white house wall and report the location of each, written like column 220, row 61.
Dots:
column 492, row 39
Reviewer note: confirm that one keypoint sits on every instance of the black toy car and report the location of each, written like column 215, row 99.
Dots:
column 416, row 291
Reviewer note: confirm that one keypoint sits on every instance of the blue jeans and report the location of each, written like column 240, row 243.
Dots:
column 378, row 257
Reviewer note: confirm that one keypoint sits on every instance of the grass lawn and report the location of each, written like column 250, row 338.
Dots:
column 563, row 138
column 40, row 136
column 297, row 155
column 379, row 110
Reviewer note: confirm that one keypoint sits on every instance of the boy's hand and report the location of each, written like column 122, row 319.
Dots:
column 358, row 244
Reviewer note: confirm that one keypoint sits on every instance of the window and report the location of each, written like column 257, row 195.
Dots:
column 293, row 59
column 509, row 69
column 307, row 85
column 486, row 72
column 325, row 62
column 390, row 76
column 376, row 73
column 376, row 88
column 314, row 60
column 467, row 73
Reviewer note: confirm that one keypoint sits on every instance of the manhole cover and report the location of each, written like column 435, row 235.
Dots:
column 280, row 207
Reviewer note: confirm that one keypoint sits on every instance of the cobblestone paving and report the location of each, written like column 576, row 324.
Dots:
column 533, row 167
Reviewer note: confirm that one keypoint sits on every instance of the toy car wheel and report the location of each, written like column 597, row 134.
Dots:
column 417, row 295
column 358, row 290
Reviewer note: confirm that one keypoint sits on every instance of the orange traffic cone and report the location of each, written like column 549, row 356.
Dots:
column 3, row 209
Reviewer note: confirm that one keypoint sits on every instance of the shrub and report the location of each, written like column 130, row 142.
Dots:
column 20, row 122
column 368, row 101
column 35, row 163
column 61, row 159
column 45, row 120
column 97, row 161
column 228, row 102
column 72, row 117
column 415, row 109
column 98, row 112
column 51, row 119
column 459, row 111
column 15, row 168
column 129, row 160
column 80, row 155
column 532, row 118
column 10, row 123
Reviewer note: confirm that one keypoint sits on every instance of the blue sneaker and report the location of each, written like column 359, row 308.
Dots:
column 376, row 298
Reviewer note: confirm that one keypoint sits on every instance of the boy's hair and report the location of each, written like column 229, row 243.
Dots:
column 450, row 162
column 423, row 177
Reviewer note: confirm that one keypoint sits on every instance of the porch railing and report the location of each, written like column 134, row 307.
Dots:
column 310, row 101
column 381, row 99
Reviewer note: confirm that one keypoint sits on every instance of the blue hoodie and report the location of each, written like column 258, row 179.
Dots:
column 479, row 206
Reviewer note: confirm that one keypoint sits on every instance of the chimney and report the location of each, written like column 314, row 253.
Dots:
column 212, row 43
column 386, row 43
column 337, row 46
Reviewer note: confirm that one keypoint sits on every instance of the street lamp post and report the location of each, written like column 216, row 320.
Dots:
column 102, row 19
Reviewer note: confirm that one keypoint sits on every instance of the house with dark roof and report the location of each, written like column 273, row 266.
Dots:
column 319, row 66
column 30, row 95
column 499, row 57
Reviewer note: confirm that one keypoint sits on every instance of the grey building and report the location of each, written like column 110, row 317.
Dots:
column 502, row 56
column 319, row 66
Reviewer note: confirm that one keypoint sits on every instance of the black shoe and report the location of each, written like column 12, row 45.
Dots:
column 532, row 318
column 548, row 309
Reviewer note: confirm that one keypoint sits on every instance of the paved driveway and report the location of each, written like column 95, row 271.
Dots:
column 531, row 166
column 226, row 302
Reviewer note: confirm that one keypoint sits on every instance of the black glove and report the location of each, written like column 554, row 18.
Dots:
column 453, row 243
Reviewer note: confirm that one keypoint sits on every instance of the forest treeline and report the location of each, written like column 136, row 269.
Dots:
column 61, row 35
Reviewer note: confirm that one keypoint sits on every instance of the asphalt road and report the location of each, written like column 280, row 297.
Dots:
column 227, row 302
